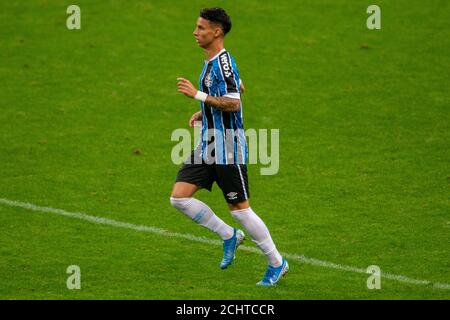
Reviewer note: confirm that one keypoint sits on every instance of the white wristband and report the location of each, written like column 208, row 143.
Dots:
column 201, row 96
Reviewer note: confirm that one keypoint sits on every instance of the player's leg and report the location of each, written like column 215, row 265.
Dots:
column 191, row 178
column 257, row 230
column 236, row 192
column 260, row 235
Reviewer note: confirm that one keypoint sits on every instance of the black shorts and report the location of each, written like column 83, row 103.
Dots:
column 231, row 178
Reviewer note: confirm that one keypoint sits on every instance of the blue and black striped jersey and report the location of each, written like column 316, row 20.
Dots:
column 222, row 137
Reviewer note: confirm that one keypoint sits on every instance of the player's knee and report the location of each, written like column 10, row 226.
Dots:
column 180, row 203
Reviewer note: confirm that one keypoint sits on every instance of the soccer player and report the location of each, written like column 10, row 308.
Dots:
column 221, row 154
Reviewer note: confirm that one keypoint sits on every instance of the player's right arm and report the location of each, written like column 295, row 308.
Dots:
column 195, row 117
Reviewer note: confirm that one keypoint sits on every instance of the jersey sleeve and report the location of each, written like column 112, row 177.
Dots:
column 228, row 77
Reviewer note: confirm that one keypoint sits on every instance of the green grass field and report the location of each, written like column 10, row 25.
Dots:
column 364, row 120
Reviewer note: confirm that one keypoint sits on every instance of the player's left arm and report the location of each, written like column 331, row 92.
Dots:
column 222, row 103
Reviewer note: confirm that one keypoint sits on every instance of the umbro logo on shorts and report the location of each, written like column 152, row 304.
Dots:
column 232, row 195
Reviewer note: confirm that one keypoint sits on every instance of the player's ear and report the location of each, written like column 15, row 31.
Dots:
column 218, row 32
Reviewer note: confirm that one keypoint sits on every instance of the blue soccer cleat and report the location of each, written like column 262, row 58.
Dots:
column 230, row 246
column 274, row 274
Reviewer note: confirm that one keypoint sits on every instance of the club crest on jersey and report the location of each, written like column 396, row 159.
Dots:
column 208, row 80
column 225, row 65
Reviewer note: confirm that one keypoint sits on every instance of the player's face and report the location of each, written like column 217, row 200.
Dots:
column 204, row 33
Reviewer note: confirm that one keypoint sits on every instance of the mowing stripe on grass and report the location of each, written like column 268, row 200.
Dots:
column 163, row 232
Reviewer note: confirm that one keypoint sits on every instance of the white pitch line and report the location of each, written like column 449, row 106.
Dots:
column 141, row 228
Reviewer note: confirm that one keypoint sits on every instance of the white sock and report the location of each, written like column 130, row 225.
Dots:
column 259, row 234
column 203, row 215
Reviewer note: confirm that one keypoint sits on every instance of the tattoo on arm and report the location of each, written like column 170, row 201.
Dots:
column 224, row 103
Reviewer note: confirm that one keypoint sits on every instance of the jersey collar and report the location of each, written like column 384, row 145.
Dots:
column 223, row 50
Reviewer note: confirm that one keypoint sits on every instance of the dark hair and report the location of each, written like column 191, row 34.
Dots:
column 219, row 16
